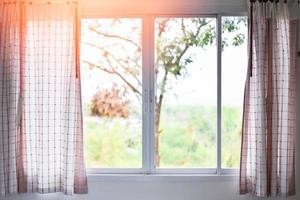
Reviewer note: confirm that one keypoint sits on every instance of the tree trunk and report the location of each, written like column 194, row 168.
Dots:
column 157, row 130
column 158, row 105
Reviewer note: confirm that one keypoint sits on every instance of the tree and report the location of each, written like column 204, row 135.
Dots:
column 172, row 59
column 110, row 103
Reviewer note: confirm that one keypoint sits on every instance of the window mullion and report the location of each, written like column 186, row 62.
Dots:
column 152, row 93
column 148, row 94
column 219, row 93
column 145, row 98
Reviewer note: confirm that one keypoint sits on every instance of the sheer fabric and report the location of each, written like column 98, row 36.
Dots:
column 41, row 147
column 269, row 123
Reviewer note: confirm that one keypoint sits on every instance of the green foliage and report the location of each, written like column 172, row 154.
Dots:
column 192, row 32
column 238, row 39
column 231, row 136
column 232, row 30
column 188, row 139
column 112, row 143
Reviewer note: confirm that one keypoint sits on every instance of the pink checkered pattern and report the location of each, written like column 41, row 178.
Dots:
column 41, row 141
column 269, row 123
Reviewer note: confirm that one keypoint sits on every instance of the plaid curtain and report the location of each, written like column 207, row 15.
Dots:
column 269, row 122
column 41, row 141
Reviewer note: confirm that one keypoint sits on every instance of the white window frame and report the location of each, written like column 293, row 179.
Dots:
column 148, row 104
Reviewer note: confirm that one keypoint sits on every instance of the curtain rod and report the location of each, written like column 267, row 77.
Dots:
column 275, row 1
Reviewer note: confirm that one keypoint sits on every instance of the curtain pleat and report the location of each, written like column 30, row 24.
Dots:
column 9, row 93
column 269, row 122
column 40, row 100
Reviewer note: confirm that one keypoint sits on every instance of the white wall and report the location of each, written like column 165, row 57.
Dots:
column 159, row 188
column 152, row 190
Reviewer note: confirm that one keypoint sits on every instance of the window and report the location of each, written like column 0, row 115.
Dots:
column 158, row 94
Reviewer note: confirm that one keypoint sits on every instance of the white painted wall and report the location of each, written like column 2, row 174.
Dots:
column 162, row 188
column 152, row 190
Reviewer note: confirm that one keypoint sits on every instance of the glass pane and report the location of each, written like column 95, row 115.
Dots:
column 111, row 92
column 234, row 68
column 186, row 88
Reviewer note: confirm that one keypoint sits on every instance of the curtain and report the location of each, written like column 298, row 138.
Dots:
column 269, row 122
column 41, row 140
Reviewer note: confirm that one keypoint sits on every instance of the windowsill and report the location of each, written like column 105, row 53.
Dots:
column 161, row 177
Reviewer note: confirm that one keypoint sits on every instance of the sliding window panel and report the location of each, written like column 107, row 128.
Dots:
column 234, row 68
column 186, row 93
column 111, row 68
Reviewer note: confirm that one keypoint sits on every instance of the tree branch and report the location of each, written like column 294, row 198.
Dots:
column 188, row 45
column 115, row 36
column 112, row 71
column 116, row 60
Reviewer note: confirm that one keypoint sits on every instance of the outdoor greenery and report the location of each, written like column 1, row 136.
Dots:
column 113, row 134
column 192, row 145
